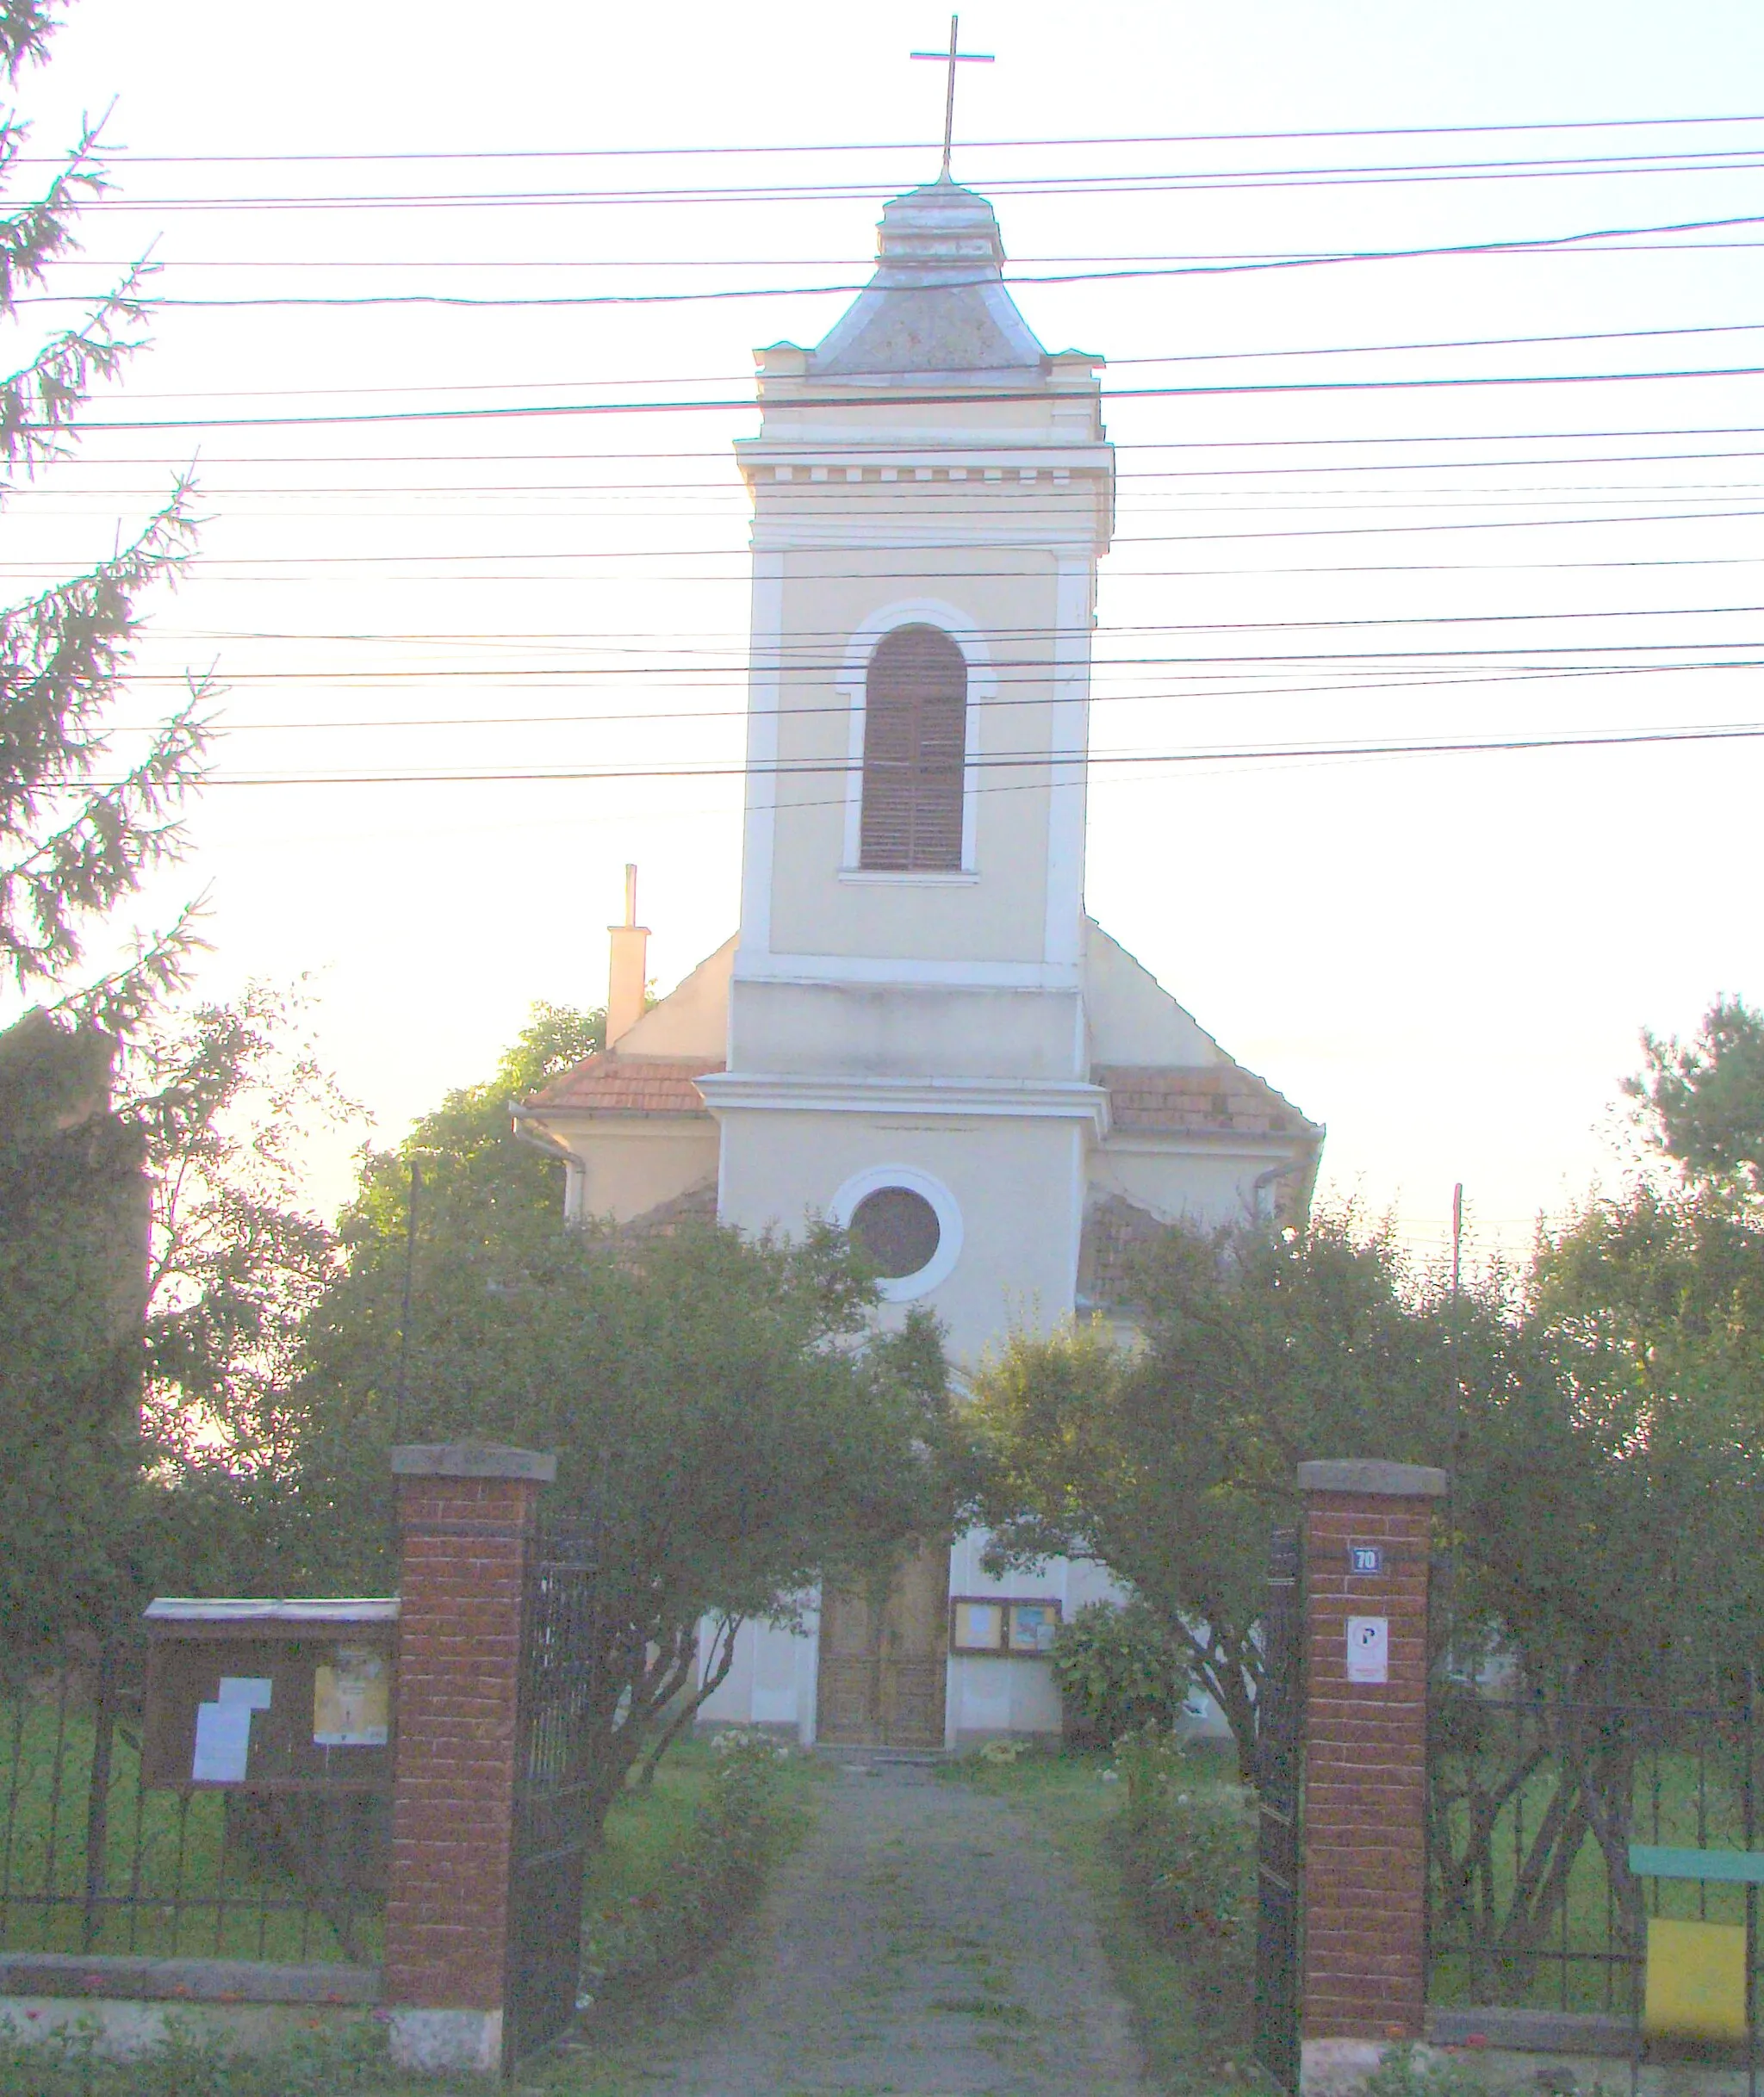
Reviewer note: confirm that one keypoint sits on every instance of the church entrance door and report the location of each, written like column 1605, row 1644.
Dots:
column 883, row 1655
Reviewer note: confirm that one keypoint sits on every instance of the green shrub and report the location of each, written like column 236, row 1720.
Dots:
column 1189, row 1843
column 656, row 1936
column 327, row 2064
column 1119, row 1671
column 1406, row 2072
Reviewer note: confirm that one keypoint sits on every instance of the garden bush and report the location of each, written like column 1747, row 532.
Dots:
column 737, row 1830
column 1186, row 1847
column 191, row 2063
column 1119, row 1671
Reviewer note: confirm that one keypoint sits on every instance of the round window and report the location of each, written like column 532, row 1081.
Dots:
column 897, row 1231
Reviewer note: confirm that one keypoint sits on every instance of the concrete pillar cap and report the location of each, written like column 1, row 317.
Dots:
column 1370, row 1474
column 471, row 1460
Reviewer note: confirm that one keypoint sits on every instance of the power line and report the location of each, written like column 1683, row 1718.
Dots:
column 721, row 457
column 1078, row 760
column 1726, row 160
column 210, row 563
column 732, row 488
column 534, row 411
column 1502, row 675
column 1234, row 626
column 1553, row 244
column 1117, row 363
column 928, row 146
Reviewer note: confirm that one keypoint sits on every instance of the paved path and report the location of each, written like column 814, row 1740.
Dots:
column 924, row 1940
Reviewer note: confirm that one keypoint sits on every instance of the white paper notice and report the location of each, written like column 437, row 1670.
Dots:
column 1368, row 1649
column 252, row 1691
column 223, row 1743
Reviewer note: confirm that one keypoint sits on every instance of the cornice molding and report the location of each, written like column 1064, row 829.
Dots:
column 993, row 1098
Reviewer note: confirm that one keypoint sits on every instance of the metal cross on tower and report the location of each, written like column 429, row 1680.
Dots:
column 952, row 58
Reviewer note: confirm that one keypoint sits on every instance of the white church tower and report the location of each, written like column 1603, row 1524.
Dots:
column 917, row 1030
column 907, row 1046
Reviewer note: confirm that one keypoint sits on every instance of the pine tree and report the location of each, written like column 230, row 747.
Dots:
column 78, row 828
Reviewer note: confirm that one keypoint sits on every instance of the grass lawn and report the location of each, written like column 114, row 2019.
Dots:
column 1674, row 1803
column 648, row 1830
column 1187, row 2017
column 647, row 1835
column 180, row 1885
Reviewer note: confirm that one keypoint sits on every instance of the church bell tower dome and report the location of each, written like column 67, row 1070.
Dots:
column 937, row 302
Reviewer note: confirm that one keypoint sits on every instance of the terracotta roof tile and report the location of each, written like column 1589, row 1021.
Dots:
column 613, row 1084
column 1221, row 1099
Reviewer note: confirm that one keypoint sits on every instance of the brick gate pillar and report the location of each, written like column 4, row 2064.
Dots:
column 466, row 1515
column 1367, row 1544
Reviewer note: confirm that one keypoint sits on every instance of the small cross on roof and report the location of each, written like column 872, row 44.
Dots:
column 952, row 58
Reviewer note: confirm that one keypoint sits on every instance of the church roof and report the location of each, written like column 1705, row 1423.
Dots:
column 610, row 1083
column 937, row 302
column 1215, row 1099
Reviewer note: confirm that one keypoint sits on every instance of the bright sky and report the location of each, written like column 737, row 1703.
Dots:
column 1447, row 959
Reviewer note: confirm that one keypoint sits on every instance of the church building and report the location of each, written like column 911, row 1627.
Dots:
column 917, row 1030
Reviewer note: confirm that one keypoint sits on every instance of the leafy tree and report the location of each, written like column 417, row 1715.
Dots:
column 225, row 1095
column 466, row 1151
column 1170, row 1460
column 1703, row 1101
column 156, row 1263
column 729, row 1427
column 73, row 1224
column 78, row 827
column 1615, row 1492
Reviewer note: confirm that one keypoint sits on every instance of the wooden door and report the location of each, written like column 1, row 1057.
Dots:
column 883, row 1657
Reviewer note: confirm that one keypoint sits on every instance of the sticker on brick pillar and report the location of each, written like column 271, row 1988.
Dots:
column 1368, row 1649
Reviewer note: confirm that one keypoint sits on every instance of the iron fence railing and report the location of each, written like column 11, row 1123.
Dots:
column 94, row 1860
column 564, row 1678
column 1533, row 1805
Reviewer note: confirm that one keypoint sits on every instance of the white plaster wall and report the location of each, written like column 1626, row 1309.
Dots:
column 692, row 1020
column 1132, row 1019
column 1008, row 1693
column 904, row 1030
column 771, row 1680
column 997, row 914
column 1209, row 1183
column 1018, row 1182
column 631, row 1163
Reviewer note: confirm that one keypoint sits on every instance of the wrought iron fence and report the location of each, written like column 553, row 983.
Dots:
column 93, row 1859
column 1533, row 1805
column 563, row 1681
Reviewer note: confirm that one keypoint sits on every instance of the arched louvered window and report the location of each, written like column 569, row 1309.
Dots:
column 916, row 705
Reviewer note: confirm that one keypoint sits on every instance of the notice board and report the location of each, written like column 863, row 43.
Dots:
column 268, row 1696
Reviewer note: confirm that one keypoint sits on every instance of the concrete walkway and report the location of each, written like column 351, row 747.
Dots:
column 925, row 1941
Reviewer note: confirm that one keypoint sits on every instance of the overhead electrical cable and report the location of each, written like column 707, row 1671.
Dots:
column 1116, row 363
column 1077, row 761
column 1549, row 243
column 912, row 146
column 722, row 456
column 531, row 410
column 212, row 562
column 1140, row 181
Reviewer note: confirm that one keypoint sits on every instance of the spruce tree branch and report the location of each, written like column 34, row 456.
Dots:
column 42, row 231
column 116, row 1003
column 88, row 863
column 74, row 851
column 25, row 27
column 40, row 402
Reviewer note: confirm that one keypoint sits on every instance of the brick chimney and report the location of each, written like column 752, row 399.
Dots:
column 627, row 969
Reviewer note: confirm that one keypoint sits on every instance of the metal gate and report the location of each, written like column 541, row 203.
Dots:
column 559, row 1659
column 1279, row 1771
